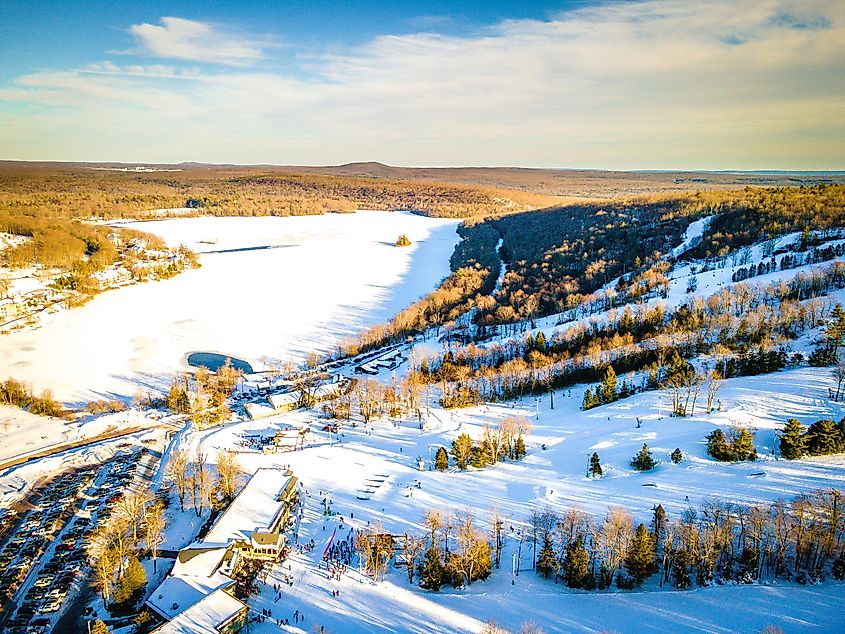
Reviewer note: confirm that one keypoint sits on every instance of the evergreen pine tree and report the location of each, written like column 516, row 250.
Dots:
column 177, row 399
column 131, row 582
column 717, row 445
column 478, row 457
column 589, row 401
column 540, row 342
column 742, row 445
column 519, row 450
column 681, row 567
column 658, row 526
column 529, row 343
column 823, row 438
column 462, row 450
column 431, row 569
column 793, row 445
column 576, row 565
column 547, row 559
column 677, row 455
column 643, row 461
column 441, row 459
column 639, row 562
column 607, row 390
column 595, row 465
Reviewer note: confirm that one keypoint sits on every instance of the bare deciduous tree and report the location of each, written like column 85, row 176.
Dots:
column 178, row 470
column 411, row 551
column 154, row 528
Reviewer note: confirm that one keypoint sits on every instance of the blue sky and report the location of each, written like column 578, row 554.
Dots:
column 653, row 84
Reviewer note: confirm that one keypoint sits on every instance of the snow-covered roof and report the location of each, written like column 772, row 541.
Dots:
column 256, row 410
column 257, row 507
column 193, row 578
column 283, row 400
column 205, row 616
column 327, row 389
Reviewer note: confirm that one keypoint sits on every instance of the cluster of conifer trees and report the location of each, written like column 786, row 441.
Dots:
column 738, row 446
column 503, row 442
column 789, row 261
column 204, row 397
column 822, row 438
column 468, row 557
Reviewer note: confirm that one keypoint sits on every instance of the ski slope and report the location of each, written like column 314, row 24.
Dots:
column 554, row 477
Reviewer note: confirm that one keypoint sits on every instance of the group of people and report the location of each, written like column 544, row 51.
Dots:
column 340, row 552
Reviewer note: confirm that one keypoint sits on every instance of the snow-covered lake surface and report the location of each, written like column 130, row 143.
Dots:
column 268, row 288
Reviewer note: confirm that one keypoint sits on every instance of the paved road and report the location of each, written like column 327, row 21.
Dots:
column 54, row 449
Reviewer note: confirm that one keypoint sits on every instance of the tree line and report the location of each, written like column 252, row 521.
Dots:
column 822, row 438
column 135, row 527
column 738, row 326
column 798, row 540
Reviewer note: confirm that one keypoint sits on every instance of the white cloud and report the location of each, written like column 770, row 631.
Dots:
column 656, row 84
column 178, row 38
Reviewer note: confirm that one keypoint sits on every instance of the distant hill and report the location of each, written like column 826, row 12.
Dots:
column 564, row 185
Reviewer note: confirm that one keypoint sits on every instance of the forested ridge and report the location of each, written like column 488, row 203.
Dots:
column 558, row 258
column 555, row 257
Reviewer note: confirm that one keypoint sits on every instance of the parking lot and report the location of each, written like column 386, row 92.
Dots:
column 43, row 558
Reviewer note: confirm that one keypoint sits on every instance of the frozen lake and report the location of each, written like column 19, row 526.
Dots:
column 268, row 288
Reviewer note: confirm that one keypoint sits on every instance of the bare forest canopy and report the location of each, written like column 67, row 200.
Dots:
column 574, row 185
column 57, row 190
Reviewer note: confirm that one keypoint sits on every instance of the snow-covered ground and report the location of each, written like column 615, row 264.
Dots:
column 554, row 477
column 23, row 433
column 268, row 288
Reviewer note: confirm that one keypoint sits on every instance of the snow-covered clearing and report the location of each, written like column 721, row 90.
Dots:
column 554, row 477
column 268, row 287
column 24, row 433
column 691, row 236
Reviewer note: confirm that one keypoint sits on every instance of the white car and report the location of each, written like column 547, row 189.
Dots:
column 51, row 606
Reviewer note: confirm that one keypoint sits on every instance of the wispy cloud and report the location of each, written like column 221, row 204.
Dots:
column 429, row 21
column 178, row 38
column 654, row 84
